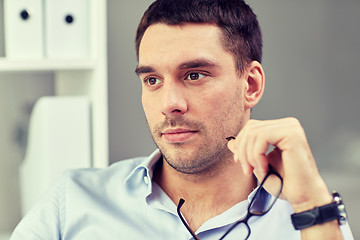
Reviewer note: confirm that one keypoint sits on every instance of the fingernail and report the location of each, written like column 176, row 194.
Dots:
column 230, row 138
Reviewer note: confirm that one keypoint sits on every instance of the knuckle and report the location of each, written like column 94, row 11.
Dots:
column 296, row 129
column 293, row 120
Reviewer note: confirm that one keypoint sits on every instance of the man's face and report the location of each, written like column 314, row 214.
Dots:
column 192, row 94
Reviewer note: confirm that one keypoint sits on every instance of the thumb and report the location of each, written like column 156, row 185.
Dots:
column 231, row 145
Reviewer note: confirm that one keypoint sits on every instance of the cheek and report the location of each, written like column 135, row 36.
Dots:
column 147, row 107
column 210, row 109
column 224, row 100
column 225, row 108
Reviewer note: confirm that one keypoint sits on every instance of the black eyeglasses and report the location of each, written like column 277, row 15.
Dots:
column 260, row 204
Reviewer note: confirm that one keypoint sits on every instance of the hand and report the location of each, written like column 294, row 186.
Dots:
column 292, row 158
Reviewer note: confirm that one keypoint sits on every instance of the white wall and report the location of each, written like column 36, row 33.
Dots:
column 311, row 51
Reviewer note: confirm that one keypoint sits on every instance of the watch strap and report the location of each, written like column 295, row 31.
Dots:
column 315, row 216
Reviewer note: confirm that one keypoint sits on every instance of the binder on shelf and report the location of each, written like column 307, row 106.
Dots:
column 59, row 139
column 66, row 30
column 23, row 27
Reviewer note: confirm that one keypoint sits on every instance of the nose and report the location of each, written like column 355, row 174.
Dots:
column 174, row 99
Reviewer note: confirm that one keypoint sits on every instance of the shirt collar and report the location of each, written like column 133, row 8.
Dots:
column 146, row 169
column 139, row 183
column 139, row 179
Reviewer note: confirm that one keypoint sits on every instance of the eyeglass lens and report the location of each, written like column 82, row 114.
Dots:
column 261, row 203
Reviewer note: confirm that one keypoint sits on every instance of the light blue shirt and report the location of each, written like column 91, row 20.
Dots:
column 121, row 202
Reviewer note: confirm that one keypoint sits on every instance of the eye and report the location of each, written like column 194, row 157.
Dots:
column 194, row 76
column 151, row 81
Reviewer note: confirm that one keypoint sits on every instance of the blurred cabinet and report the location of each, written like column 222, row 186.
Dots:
column 85, row 76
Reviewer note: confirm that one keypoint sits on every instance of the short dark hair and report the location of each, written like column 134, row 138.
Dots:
column 241, row 30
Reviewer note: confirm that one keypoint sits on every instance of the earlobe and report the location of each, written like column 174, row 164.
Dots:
column 255, row 84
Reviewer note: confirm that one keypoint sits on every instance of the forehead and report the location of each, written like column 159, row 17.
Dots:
column 162, row 42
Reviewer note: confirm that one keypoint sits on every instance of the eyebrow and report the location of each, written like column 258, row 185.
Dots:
column 197, row 63
column 144, row 69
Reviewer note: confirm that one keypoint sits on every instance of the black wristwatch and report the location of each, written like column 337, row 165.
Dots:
column 333, row 211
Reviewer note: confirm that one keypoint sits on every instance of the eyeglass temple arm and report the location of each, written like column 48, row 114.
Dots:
column 181, row 202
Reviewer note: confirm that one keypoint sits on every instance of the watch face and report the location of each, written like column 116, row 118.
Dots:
column 341, row 207
column 342, row 213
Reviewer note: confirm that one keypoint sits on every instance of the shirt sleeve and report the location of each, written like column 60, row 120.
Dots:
column 43, row 221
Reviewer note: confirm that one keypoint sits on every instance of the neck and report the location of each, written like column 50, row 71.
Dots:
column 206, row 194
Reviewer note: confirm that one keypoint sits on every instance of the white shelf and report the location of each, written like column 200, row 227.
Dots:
column 73, row 77
column 10, row 65
column 85, row 77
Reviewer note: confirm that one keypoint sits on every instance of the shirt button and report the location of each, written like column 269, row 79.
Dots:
column 146, row 179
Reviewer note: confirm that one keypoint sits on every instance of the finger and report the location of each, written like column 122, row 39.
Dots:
column 231, row 144
column 242, row 154
column 253, row 137
column 260, row 172
column 259, row 154
column 248, row 148
column 232, row 147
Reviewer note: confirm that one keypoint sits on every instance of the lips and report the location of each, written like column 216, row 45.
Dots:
column 178, row 135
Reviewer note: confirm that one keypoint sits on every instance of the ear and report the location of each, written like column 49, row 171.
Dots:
column 254, row 84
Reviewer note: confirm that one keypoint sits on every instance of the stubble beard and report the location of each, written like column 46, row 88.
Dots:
column 204, row 157
column 199, row 161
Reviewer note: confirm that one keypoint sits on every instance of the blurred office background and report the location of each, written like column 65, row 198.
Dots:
column 311, row 51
